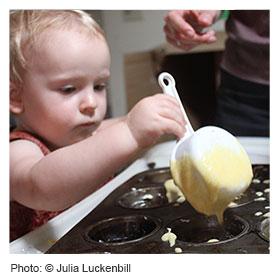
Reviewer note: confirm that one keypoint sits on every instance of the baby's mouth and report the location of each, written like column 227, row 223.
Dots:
column 88, row 128
column 88, row 124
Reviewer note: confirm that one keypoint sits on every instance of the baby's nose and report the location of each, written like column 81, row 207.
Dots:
column 88, row 105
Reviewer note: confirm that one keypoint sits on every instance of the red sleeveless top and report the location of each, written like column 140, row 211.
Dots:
column 22, row 218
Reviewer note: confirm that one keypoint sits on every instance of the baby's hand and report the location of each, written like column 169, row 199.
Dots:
column 153, row 117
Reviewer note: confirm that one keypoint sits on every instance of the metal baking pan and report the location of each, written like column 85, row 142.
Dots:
column 134, row 217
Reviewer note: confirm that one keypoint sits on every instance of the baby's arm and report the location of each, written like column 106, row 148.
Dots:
column 108, row 122
column 65, row 176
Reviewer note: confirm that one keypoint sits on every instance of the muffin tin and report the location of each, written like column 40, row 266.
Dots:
column 134, row 217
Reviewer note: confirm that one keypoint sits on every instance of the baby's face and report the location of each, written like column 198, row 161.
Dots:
column 64, row 91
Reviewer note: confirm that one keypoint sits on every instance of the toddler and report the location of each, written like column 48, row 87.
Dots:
column 62, row 149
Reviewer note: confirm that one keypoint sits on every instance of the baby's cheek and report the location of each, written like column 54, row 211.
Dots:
column 103, row 109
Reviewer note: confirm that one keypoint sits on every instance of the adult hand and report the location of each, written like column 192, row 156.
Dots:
column 185, row 28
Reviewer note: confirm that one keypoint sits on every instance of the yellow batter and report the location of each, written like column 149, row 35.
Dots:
column 169, row 237
column 173, row 193
column 212, row 182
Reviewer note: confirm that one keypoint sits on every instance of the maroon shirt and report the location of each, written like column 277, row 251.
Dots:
column 22, row 218
column 247, row 47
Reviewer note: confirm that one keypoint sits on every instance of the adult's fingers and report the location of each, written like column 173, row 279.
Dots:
column 169, row 31
column 185, row 27
column 180, row 44
column 176, row 21
column 179, row 39
column 205, row 18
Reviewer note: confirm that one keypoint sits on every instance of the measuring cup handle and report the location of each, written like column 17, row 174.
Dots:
column 167, row 83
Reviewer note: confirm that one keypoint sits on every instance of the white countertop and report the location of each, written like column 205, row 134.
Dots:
column 41, row 239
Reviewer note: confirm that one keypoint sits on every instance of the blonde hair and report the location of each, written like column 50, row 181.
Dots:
column 27, row 25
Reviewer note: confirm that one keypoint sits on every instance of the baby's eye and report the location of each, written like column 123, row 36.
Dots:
column 100, row 87
column 68, row 89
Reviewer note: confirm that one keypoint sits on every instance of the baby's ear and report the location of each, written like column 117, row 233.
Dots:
column 16, row 103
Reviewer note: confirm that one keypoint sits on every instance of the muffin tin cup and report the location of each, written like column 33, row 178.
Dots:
column 122, row 230
column 144, row 197
column 200, row 230
column 263, row 229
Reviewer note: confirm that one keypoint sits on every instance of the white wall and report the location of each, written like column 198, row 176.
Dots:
column 127, row 37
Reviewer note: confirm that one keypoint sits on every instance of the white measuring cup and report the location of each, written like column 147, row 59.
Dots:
column 209, row 165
